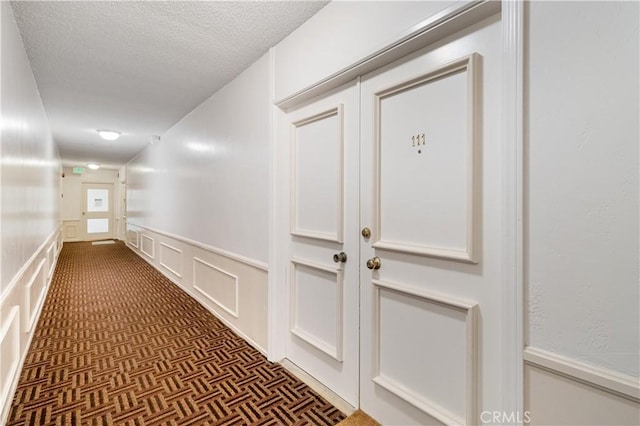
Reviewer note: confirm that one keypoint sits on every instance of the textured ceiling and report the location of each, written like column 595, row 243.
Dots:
column 139, row 67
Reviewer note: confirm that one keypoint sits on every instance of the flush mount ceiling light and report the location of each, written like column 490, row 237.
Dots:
column 109, row 135
column 93, row 166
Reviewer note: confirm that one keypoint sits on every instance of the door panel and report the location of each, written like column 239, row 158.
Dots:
column 430, row 192
column 97, row 214
column 317, row 176
column 316, row 306
column 323, row 291
column 424, row 148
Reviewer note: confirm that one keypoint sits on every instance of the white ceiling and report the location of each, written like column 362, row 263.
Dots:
column 139, row 67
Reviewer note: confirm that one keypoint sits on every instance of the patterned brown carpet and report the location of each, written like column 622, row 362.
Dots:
column 119, row 344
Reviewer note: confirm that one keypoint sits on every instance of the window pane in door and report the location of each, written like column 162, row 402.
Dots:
column 97, row 226
column 97, row 200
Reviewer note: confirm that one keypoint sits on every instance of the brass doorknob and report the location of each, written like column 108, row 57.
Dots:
column 374, row 263
column 340, row 257
column 366, row 232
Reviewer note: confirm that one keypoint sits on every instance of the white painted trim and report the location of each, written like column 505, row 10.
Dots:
column 18, row 276
column 513, row 189
column 471, row 373
column 168, row 268
column 607, row 380
column 338, row 236
column 153, row 246
column 237, row 257
column 233, row 312
column 335, row 352
column 10, row 327
column 470, row 65
column 31, row 316
column 199, row 299
column 276, row 278
column 438, row 26
column 331, row 397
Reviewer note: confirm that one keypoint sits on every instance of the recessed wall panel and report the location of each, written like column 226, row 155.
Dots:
column 132, row 237
column 217, row 285
column 51, row 255
column 147, row 246
column 71, row 230
column 9, row 350
column 171, row 259
column 34, row 295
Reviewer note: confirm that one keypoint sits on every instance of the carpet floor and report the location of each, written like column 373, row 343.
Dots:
column 118, row 344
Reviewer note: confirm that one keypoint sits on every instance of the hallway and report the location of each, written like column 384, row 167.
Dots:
column 118, row 343
column 426, row 211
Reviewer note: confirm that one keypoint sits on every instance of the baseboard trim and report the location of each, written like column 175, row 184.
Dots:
column 607, row 380
column 321, row 389
column 237, row 257
column 202, row 302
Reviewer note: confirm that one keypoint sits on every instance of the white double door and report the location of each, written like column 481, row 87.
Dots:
column 408, row 326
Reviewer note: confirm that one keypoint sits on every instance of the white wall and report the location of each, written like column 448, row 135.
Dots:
column 30, row 161
column 29, row 207
column 198, row 203
column 340, row 34
column 208, row 178
column 583, row 182
column 582, row 358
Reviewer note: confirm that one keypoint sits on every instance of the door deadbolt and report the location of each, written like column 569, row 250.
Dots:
column 374, row 263
column 366, row 232
column 340, row 257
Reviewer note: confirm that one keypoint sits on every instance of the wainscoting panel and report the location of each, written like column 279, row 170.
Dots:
column 9, row 350
column 218, row 285
column 71, row 230
column 52, row 252
column 562, row 391
column 147, row 245
column 132, row 237
column 171, row 259
column 20, row 306
column 34, row 295
column 233, row 287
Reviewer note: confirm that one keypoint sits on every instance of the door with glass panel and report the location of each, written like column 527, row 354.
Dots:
column 97, row 211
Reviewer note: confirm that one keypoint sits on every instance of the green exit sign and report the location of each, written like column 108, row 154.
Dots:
column 78, row 170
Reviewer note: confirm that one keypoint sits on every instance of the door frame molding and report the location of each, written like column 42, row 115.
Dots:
column 513, row 190
column 450, row 20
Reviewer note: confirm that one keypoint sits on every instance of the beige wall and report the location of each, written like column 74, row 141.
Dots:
column 71, row 209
